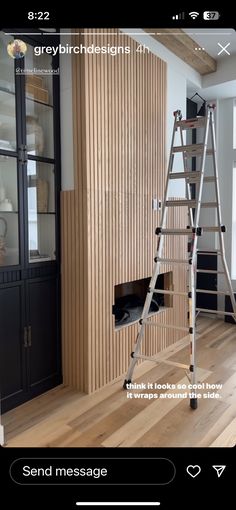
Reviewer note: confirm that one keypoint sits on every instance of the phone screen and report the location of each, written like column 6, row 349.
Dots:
column 118, row 259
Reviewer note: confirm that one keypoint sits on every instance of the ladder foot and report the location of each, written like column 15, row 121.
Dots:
column 126, row 381
column 193, row 403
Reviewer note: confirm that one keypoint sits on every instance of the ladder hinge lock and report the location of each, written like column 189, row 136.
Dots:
column 197, row 231
column 158, row 231
column 132, row 354
column 141, row 322
column 189, row 295
column 223, row 228
column 190, row 331
column 155, row 259
column 191, row 368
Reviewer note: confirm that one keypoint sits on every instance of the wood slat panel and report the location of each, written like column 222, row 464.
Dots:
column 108, row 223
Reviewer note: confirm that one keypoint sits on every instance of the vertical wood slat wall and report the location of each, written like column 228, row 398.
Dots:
column 119, row 105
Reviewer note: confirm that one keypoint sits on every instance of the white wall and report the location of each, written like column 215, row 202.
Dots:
column 226, row 158
column 225, row 73
column 176, row 100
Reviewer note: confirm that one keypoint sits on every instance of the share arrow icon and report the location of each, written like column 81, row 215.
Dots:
column 219, row 470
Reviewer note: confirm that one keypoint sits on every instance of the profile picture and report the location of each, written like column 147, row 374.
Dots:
column 17, row 49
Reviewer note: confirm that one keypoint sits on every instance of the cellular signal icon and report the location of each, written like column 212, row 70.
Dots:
column 178, row 16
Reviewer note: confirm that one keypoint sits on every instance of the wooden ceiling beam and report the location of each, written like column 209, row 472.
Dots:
column 184, row 47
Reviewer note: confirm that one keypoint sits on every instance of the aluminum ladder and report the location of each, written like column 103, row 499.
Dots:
column 194, row 230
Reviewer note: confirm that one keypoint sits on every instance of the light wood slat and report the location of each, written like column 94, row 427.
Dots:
column 107, row 222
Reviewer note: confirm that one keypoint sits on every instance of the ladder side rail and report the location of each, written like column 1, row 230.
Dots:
column 187, row 185
column 192, row 270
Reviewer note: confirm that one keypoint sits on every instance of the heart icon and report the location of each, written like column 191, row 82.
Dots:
column 193, row 471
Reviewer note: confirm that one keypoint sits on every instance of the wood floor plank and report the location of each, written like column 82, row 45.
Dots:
column 219, row 426
column 227, row 437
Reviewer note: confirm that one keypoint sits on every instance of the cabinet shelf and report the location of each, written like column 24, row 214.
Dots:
column 46, row 213
column 8, row 212
column 3, row 89
column 38, row 102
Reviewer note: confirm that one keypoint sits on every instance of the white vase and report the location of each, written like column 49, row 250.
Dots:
column 6, row 205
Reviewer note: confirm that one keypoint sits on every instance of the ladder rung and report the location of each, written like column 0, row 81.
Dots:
column 165, row 326
column 191, row 123
column 191, row 176
column 211, row 178
column 167, row 291
column 180, row 203
column 212, row 271
column 214, row 311
column 206, row 291
column 185, row 231
column 209, row 204
column 160, row 360
column 211, row 229
column 213, row 252
column 196, row 149
column 176, row 231
column 172, row 261
column 186, row 148
column 189, row 203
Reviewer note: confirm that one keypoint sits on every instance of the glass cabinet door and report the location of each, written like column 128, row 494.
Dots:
column 26, row 160
column 41, row 211
column 40, row 150
column 39, row 101
column 9, row 218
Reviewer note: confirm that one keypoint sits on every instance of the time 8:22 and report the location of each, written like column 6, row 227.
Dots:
column 39, row 15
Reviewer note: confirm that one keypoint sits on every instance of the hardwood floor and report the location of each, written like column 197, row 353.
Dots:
column 63, row 417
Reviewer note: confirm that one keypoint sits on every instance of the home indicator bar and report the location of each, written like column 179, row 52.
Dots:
column 118, row 503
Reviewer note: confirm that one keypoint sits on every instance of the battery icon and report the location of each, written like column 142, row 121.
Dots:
column 211, row 15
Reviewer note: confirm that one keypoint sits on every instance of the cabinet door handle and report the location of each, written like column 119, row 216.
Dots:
column 29, row 336
column 25, row 336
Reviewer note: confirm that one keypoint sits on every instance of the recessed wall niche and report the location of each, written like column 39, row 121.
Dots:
column 129, row 298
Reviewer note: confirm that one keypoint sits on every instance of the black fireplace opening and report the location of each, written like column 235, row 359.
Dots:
column 129, row 298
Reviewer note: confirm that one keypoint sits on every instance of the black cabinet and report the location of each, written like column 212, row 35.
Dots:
column 43, row 355
column 12, row 357
column 207, row 260
column 30, row 348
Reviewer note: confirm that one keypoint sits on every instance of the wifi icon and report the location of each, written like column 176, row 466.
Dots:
column 194, row 14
